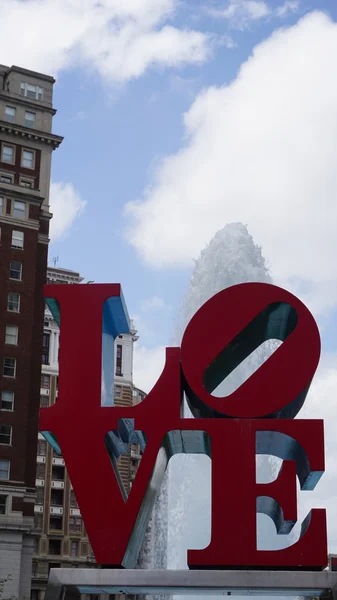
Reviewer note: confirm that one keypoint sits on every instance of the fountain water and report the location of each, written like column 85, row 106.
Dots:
column 230, row 258
column 183, row 516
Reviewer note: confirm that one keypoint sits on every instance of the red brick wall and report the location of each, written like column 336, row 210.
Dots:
column 26, row 385
column 17, row 169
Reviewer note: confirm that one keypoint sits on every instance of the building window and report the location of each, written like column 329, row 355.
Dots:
column 4, row 469
column 42, row 447
column 74, row 548
column 40, row 472
column 119, row 359
column 19, row 209
column 11, row 336
column 78, row 524
column 29, row 119
column 57, row 473
column 15, row 270
column 56, row 497
column 1, row 204
column 10, row 114
column 6, row 178
column 54, row 565
column 7, row 400
column 75, row 524
column 45, row 349
column 38, row 521
column 55, row 547
column 13, row 303
column 5, row 434
column 17, row 239
column 7, row 154
column 28, row 183
column 44, row 401
column 31, row 91
column 73, row 501
column 39, row 494
column 27, row 159
column 55, row 522
column 3, row 505
column 118, row 391
column 9, row 367
column 45, row 381
column 34, row 595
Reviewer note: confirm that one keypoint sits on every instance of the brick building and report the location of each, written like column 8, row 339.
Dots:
column 61, row 539
column 26, row 145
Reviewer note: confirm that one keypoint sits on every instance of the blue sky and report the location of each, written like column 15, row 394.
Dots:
column 134, row 114
column 116, row 135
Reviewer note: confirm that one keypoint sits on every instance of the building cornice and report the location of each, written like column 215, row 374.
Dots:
column 63, row 275
column 43, row 239
column 29, row 72
column 46, row 215
column 49, row 139
column 9, row 97
column 120, row 380
column 18, row 491
column 24, row 223
column 20, row 193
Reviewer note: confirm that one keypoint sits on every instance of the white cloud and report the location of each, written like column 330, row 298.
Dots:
column 81, row 115
column 66, row 205
column 241, row 13
column 145, row 330
column 290, row 6
column 119, row 40
column 154, row 303
column 255, row 9
column 261, row 150
column 147, row 366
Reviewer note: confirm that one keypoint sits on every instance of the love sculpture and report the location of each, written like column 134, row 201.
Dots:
column 257, row 418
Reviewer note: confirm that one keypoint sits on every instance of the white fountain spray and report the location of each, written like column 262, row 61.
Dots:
column 230, row 258
column 182, row 515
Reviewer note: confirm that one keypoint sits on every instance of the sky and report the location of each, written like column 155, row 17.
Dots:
column 179, row 117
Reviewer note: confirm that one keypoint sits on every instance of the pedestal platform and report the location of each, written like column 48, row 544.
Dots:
column 69, row 583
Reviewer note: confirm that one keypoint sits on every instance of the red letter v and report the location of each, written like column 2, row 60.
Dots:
column 80, row 423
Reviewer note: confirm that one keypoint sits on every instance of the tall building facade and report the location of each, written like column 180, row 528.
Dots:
column 61, row 539
column 26, row 146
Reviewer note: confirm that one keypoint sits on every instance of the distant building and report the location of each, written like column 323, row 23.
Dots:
column 26, row 146
column 61, row 539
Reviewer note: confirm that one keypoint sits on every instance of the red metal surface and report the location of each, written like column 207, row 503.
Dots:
column 280, row 380
column 80, row 425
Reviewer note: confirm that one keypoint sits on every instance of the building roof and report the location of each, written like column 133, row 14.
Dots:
column 59, row 274
column 28, row 72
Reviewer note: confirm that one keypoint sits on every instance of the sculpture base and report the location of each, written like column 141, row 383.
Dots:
column 64, row 583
